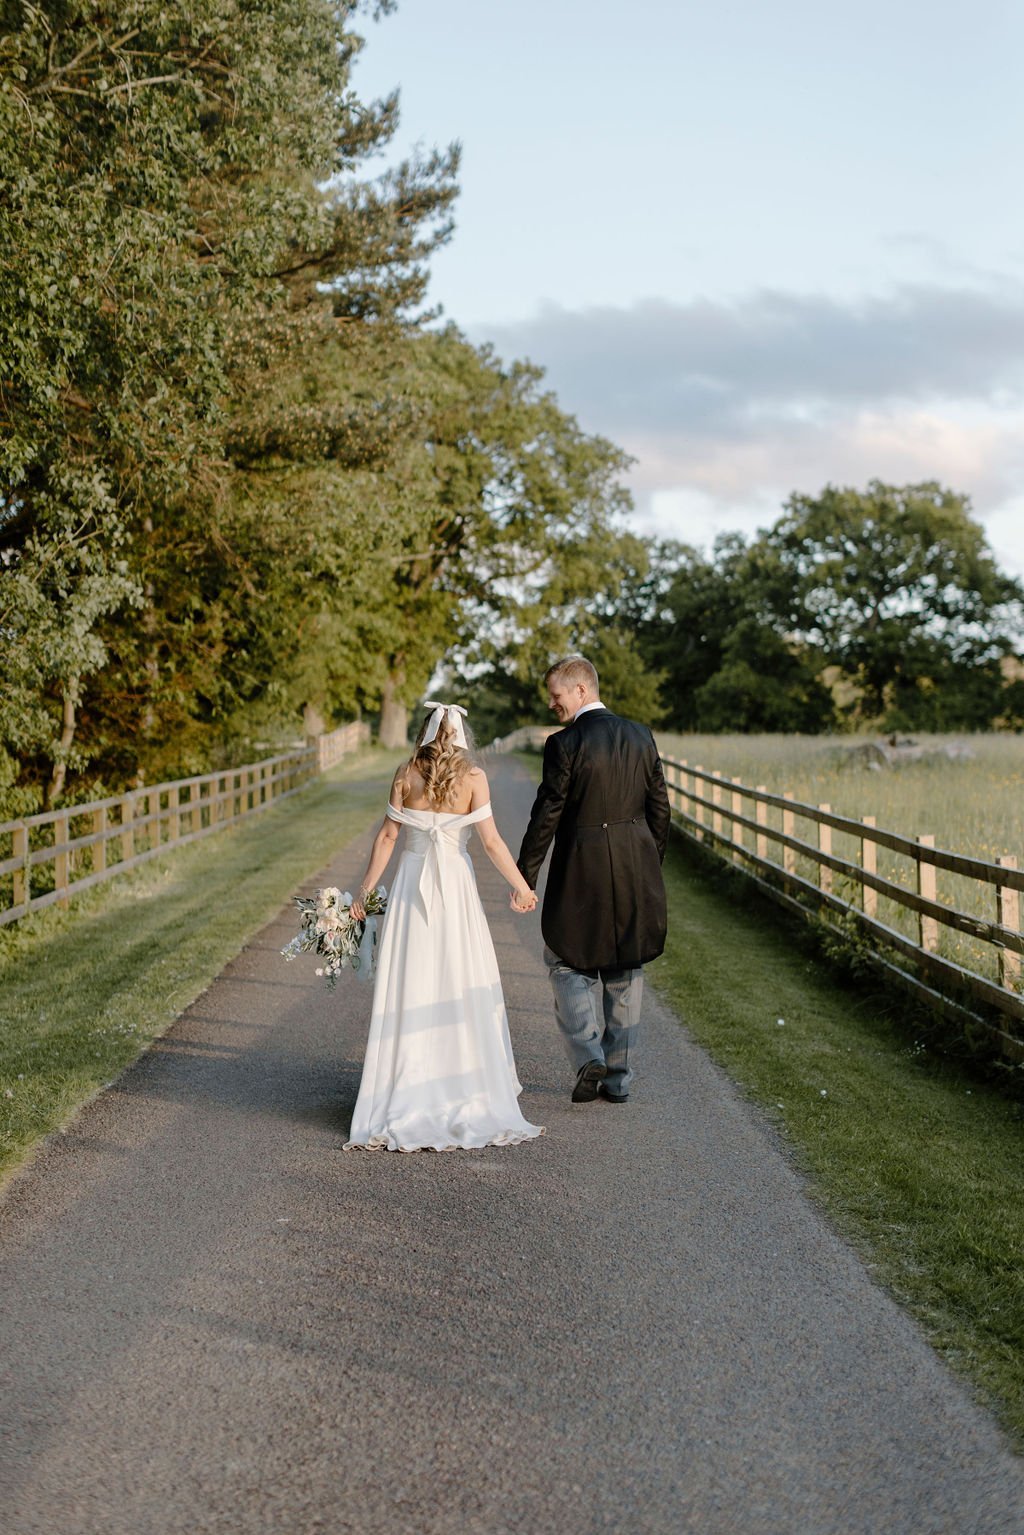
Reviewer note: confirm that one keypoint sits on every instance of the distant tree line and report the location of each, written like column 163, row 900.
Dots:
column 880, row 609
column 246, row 483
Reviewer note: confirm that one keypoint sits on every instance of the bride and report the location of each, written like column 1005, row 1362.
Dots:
column 438, row 1072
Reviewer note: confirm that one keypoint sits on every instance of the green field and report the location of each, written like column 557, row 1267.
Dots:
column 966, row 791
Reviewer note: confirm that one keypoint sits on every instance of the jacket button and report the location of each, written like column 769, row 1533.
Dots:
column 604, row 825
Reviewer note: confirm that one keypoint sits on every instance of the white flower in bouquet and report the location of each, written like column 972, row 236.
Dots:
column 327, row 928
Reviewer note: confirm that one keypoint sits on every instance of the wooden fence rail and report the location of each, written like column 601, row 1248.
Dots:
column 80, row 845
column 757, row 830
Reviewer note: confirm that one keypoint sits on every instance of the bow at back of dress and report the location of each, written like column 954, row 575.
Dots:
column 436, row 836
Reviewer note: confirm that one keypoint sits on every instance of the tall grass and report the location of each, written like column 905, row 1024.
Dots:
column 966, row 791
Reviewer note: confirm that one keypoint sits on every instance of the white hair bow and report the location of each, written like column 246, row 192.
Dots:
column 455, row 714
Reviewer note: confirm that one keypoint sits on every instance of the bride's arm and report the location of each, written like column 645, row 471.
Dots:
column 523, row 898
column 383, row 847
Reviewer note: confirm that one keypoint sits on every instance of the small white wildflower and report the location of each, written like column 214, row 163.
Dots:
column 824, row 1092
column 780, row 1023
column 318, row 971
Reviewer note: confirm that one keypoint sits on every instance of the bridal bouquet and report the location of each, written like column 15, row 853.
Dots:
column 327, row 927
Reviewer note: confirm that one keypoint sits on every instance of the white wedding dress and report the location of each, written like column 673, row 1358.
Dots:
column 439, row 1072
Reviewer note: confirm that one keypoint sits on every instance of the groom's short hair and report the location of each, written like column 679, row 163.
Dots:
column 573, row 669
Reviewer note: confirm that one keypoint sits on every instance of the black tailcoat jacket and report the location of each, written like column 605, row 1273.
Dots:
column 604, row 801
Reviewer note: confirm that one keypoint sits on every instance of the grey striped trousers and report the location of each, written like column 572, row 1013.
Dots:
column 598, row 1012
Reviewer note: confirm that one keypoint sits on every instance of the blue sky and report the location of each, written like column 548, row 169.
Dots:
column 761, row 246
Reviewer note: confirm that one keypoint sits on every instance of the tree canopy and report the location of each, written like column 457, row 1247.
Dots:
column 883, row 606
column 247, row 480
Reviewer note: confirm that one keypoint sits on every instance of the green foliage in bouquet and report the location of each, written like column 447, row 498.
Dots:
column 327, row 928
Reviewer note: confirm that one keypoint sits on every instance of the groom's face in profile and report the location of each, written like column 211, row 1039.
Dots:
column 564, row 700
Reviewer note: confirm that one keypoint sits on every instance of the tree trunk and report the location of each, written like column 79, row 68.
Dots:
column 55, row 788
column 151, row 664
column 313, row 722
column 394, row 716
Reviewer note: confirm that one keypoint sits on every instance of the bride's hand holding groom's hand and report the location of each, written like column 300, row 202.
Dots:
column 523, row 903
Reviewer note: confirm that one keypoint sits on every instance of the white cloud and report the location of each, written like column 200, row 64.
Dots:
column 730, row 407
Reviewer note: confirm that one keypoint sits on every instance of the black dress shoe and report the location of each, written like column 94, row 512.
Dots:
column 587, row 1079
column 609, row 1096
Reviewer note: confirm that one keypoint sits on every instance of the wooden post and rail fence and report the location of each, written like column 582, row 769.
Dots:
column 820, row 864
column 784, row 845
column 787, row 847
column 65, row 851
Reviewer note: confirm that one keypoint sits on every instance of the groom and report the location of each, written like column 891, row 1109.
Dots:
column 603, row 800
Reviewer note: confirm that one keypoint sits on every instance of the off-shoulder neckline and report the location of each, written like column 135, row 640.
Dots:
column 457, row 815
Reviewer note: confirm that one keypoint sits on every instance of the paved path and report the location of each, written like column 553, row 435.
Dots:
column 215, row 1320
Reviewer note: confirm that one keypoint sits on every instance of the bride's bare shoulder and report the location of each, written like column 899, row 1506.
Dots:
column 411, row 777
column 480, row 790
column 405, row 785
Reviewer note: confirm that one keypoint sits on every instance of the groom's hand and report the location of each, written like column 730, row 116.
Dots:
column 523, row 903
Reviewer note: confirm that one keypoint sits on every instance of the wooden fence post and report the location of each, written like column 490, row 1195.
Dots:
column 825, row 846
column 698, row 788
column 736, row 806
column 60, row 860
column 99, row 848
column 173, row 818
column 1008, row 915
column 21, row 895
column 761, row 817
column 683, row 790
column 788, row 824
column 673, row 779
column 716, row 814
column 927, row 927
column 869, row 863
column 127, row 828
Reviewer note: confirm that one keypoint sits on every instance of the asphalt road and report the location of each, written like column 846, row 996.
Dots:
column 214, row 1320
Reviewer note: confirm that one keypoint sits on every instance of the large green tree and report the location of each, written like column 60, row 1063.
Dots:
column 896, row 586
column 727, row 660
column 180, row 218
column 517, row 556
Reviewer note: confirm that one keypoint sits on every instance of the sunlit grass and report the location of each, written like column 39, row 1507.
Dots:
column 84, row 990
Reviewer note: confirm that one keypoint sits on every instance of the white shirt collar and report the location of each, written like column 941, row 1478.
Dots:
column 597, row 704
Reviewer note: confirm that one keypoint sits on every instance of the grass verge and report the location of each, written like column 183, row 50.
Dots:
column 85, row 990
column 914, row 1160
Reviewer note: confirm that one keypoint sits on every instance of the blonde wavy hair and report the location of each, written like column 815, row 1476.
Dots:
column 442, row 765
